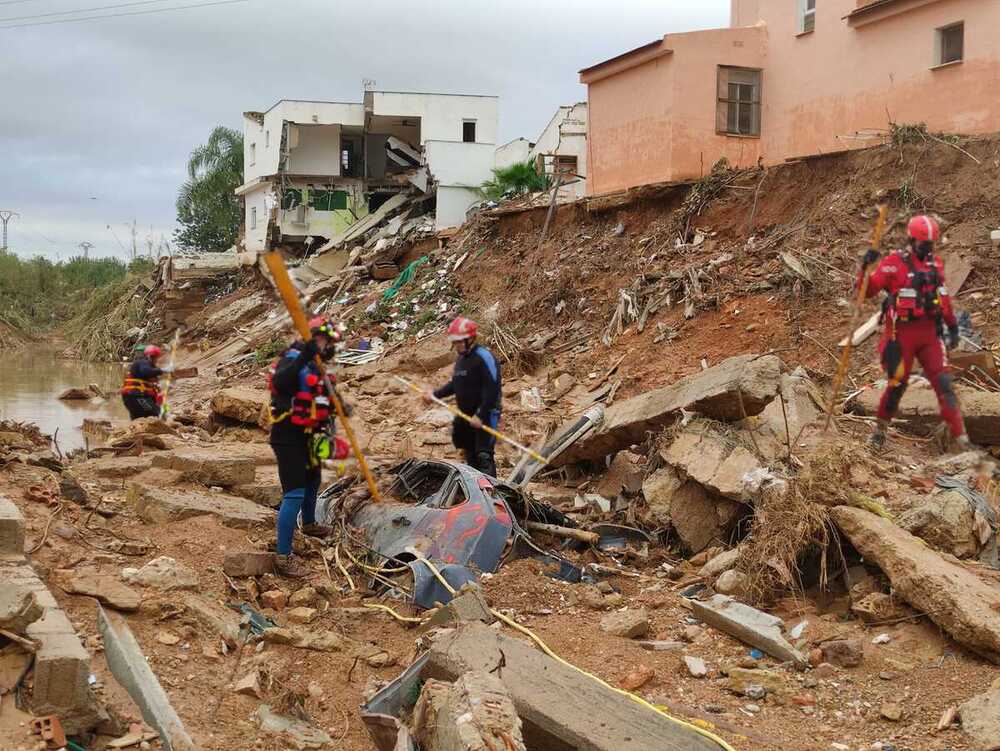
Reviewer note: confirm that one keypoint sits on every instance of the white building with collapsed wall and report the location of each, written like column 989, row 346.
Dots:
column 314, row 169
column 560, row 152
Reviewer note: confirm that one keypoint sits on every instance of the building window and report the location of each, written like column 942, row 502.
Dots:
column 566, row 165
column 950, row 44
column 253, row 154
column 738, row 110
column 807, row 16
column 253, row 217
column 469, row 131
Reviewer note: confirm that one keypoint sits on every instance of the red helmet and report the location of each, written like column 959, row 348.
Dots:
column 923, row 228
column 323, row 325
column 462, row 328
column 152, row 351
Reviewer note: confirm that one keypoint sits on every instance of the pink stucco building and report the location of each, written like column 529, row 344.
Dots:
column 791, row 78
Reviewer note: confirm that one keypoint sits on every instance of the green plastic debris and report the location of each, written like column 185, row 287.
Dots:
column 404, row 277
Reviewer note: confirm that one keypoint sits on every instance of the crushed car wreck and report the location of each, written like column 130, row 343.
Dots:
column 463, row 521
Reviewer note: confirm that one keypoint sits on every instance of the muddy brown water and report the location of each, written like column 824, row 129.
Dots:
column 31, row 379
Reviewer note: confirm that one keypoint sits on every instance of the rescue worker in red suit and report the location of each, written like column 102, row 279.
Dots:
column 141, row 389
column 918, row 315
column 301, row 429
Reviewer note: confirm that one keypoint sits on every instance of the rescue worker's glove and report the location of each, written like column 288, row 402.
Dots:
column 953, row 337
column 869, row 258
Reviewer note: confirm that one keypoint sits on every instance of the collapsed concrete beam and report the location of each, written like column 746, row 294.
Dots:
column 740, row 385
column 556, row 703
column 919, row 411
column 749, row 625
column 129, row 667
column 207, row 467
column 952, row 596
column 156, row 506
column 473, row 714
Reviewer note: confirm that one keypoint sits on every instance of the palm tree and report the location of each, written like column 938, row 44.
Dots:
column 207, row 209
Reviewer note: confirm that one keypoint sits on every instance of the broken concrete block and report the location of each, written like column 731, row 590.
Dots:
column 243, row 405
column 716, row 393
column 157, row 506
column 319, row 641
column 208, row 467
column 749, row 625
column 770, row 435
column 106, row 589
column 742, row 678
column 298, row 733
column 629, row 624
column 19, row 608
column 919, row 411
column 981, row 719
column 625, row 475
column 878, row 606
column 274, row 599
column 845, row 653
column 11, row 528
column 248, row 564
column 952, row 596
column 303, row 597
column 722, row 562
column 946, row 522
column 215, row 617
column 266, row 492
column 695, row 666
column 704, row 455
column 249, row 685
column 555, row 702
column 476, row 713
column 165, row 573
column 658, row 489
column 469, row 606
column 129, row 667
column 698, row 518
column 731, row 583
column 301, row 614
column 119, row 467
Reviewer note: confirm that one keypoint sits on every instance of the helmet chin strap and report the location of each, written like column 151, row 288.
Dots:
column 922, row 249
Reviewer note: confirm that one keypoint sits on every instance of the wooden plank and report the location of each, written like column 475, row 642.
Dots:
column 185, row 373
column 561, row 708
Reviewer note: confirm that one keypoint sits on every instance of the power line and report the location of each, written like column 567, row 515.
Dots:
column 120, row 15
column 15, row 2
column 80, row 10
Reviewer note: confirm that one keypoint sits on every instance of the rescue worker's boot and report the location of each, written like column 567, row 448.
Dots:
column 877, row 441
column 964, row 444
column 288, row 567
column 317, row 530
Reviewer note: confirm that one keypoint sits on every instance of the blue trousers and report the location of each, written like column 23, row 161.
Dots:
column 300, row 486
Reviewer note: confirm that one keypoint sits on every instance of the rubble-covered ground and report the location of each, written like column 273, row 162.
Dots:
column 722, row 463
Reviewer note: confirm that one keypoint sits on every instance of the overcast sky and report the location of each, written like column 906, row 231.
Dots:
column 99, row 116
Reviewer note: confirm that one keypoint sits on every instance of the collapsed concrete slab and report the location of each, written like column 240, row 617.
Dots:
column 248, row 406
column 118, row 467
column 981, row 719
column 556, row 703
column 129, row 667
column 740, row 385
column 699, row 518
column 207, row 467
column 952, row 596
column 475, row 713
column 156, row 506
column 919, row 411
column 778, row 425
column 749, row 625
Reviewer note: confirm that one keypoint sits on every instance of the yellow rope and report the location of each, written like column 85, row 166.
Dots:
column 394, row 614
column 545, row 648
column 340, row 566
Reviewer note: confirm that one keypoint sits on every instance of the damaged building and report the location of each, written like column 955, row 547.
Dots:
column 314, row 169
column 559, row 151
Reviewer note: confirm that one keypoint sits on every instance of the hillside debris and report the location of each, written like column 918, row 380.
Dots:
column 749, row 625
column 475, row 713
column 953, row 597
column 739, row 387
column 300, row 734
column 918, row 411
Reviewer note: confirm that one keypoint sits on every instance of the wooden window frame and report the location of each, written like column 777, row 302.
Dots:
column 725, row 101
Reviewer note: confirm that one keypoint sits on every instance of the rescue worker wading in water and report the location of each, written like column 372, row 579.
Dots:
column 301, row 429
column 141, row 390
column 475, row 385
column 917, row 311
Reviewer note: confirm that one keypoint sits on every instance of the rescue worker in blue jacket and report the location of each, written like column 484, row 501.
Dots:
column 475, row 385
column 301, row 429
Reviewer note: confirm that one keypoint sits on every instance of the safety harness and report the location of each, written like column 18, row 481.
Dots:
column 920, row 299
column 134, row 386
column 309, row 409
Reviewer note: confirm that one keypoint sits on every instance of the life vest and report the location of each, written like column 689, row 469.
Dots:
column 135, row 386
column 921, row 298
column 309, row 407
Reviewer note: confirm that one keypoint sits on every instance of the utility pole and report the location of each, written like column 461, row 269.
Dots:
column 6, row 216
column 134, row 235
column 85, row 247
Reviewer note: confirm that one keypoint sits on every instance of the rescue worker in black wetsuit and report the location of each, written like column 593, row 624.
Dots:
column 301, row 437
column 475, row 385
column 141, row 389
